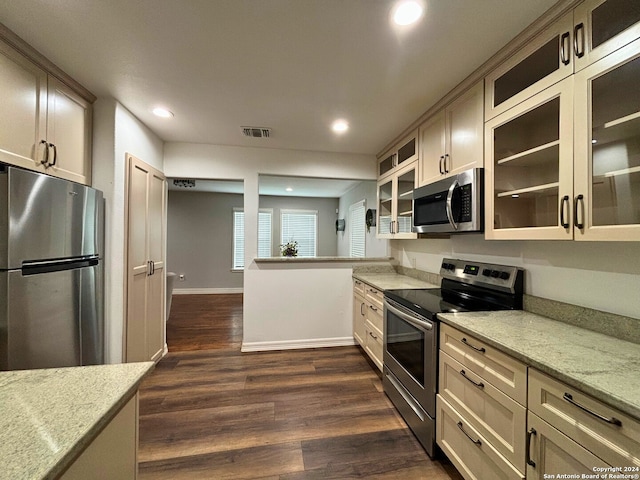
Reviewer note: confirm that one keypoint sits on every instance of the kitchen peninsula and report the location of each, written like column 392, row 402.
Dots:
column 59, row 422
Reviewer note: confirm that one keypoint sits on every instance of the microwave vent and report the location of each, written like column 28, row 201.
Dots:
column 256, row 132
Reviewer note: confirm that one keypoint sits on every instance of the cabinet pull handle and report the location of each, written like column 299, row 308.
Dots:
column 477, row 349
column 464, row 374
column 530, row 434
column 45, row 160
column 576, row 45
column 55, row 154
column 361, row 305
column 564, row 203
column 578, row 201
column 446, row 155
column 565, row 48
column 358, row 283
column 373, row 336
column 373, row 308
column 148, row 268
column 476, row 442
column 610, row 420
column 440, row 165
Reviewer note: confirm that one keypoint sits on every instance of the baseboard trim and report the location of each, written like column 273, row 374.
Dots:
column 206, row 291
column 297, row 344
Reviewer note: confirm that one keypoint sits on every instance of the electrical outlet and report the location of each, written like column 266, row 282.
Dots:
column 181, row 277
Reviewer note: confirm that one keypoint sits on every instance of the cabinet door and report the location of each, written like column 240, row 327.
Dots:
column 385, row 208
column 540, row 64
column 403, row 202
column 407, row 150
column 359, row 316
column 529, row 168
column 69, row 130
column 552, row 452
column 607, row 147
column 432, row 148
column 603, row 26
column 373, row 344
column 23, row 94
column 387, row 164
column 465, row 134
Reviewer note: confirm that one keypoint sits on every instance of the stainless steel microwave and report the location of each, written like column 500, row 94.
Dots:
column 454, row 204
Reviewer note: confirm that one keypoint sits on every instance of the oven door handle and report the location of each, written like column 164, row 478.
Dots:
column 416, row 322
column 449, row 204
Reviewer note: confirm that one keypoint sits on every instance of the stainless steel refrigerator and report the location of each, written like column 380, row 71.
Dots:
column 51, row 274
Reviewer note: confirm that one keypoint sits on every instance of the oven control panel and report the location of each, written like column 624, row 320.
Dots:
column 502, row 277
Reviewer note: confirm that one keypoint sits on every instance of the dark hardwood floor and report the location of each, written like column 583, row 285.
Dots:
column 209, row 411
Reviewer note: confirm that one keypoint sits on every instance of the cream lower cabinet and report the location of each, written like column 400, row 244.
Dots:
column 359, row 313
column 146, row 215
column 45, row 125
column 113, row 454
column 368, row 320
column 481, row 408
column 604, row 432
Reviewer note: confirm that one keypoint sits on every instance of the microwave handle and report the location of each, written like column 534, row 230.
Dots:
column 449, row 206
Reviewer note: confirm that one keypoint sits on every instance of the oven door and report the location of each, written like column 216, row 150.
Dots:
column 410, row 353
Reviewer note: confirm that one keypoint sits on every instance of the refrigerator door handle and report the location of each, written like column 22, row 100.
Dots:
column 34, row 268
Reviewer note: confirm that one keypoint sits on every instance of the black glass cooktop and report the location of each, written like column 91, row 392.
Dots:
column 430, row 301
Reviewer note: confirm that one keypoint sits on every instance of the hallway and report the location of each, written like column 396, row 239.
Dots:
column 209, row 411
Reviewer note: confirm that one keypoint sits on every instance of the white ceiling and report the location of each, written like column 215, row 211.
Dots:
column 292, row 65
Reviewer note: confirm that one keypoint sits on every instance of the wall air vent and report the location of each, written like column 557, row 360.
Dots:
column 184, row 182
column 256, row 132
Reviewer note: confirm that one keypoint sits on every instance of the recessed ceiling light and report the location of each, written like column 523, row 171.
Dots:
column 162, row 112
column 340, row 126
column 594, row 141
column 289, row 189
column 407, row 12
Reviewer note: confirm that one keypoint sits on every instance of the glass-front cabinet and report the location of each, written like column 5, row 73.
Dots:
column 395, row 204
column 529, row 168
column 603, row 26
column 607, row 147
column 402, row 154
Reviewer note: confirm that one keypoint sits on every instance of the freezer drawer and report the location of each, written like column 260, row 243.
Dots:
column 51, row 319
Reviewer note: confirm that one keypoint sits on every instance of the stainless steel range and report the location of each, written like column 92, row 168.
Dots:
column 411, row 335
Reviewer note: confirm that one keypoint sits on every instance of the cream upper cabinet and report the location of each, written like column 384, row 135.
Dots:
column 451, row 141
column 543, row 62
column 607, row 147
column 395, row 203
column 68, row 133
column 529, row 168
column 23, row 118
column 405, row 152
column 44, row 125
column 603, row 26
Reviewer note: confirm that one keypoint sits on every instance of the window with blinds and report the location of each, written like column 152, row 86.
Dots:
column 357, row 229
column 264, row 236
column 300, row 226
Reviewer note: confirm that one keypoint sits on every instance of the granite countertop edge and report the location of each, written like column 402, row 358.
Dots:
column 390, row 281
column 581, row 382
column 92, row 432
column 321, row 259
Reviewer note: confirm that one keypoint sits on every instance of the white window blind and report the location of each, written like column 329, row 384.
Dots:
column 300, row 226
column 357, row 228
column 264, row 236
column 238, row 239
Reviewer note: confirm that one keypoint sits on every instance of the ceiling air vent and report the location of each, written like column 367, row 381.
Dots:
column 184, row 182
column 256, row 132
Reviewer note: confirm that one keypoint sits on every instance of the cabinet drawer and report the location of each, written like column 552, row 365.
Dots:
column 618, row 445
column 358, row 287
column 373, row 343
column 553, row 452
column 374, row 296
column 500, row 419
column 374, row 315
column 502, row 371
column 469, row 451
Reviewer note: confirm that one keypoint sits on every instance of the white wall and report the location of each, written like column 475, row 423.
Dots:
column 600, row 275
column 368, row 192
column 273, row 308
column 117, row 132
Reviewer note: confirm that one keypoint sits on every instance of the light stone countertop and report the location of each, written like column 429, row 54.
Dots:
column 391, row 281
column 48, row 417
column 321, row 259
column 604, row 367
